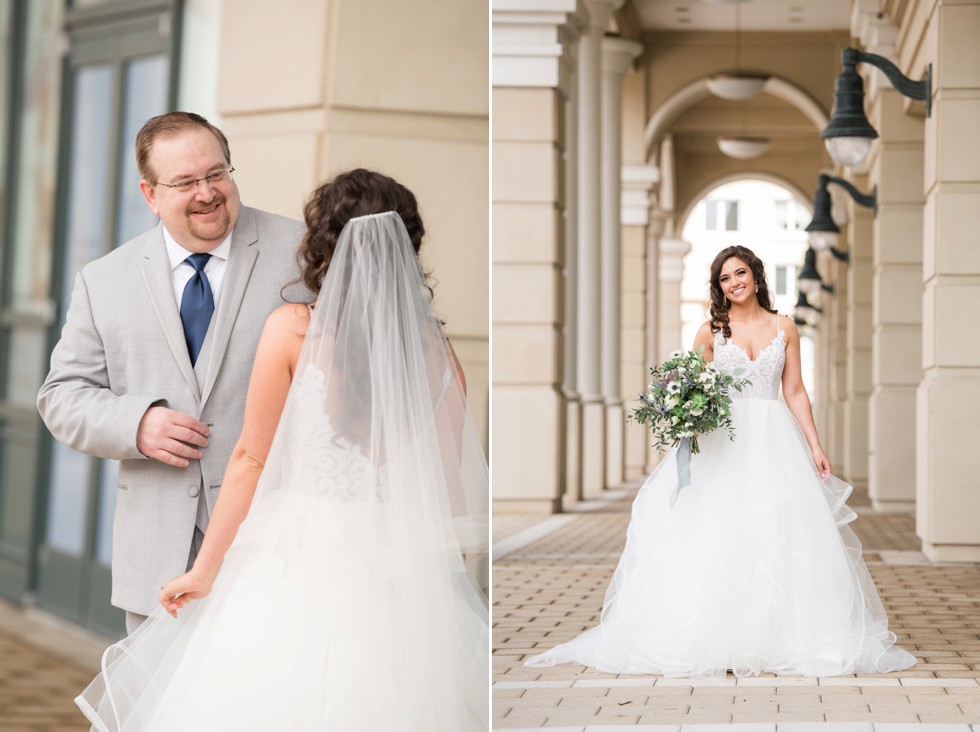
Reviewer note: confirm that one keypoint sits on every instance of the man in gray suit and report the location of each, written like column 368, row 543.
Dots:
column 155, row 356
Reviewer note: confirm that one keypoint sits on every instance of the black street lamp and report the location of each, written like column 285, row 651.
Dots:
column 804, row 310
column 848, row 136
column 822, row 230
column 809, row 280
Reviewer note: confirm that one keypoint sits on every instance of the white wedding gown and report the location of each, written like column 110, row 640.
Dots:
column 347, row 601
column 754, row 569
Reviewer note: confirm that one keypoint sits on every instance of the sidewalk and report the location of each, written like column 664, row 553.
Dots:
column 44, row 664
column 550, row 575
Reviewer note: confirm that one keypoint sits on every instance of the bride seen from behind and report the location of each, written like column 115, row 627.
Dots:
column 754, row 569
column 353, row 512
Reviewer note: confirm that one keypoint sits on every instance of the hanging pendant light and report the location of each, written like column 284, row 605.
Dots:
column 743, row 148
column 736, row 84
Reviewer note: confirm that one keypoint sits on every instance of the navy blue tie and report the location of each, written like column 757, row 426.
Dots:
column 196, row 306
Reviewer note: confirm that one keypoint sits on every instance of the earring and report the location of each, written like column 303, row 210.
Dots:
column 756, row 286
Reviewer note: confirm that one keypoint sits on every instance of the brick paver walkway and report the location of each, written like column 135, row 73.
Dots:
column 552, row 588
column 43, row 666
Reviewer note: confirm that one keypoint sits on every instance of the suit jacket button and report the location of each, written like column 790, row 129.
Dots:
column 194, row 490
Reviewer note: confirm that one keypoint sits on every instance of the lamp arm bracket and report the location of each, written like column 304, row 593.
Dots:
column 868, row 200
column 839, row 255
column 921, row 90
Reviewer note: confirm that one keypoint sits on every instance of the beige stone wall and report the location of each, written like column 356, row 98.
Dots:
column 948, row 398
column 529, row 406
column 895, row 168
column 856, row 350
column 309, row 88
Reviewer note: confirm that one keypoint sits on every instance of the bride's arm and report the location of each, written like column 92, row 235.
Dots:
column 705, row 338
column 796, row 398
column 272, row 372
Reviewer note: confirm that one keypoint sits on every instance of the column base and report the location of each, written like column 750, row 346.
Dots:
column 593, row 449
column 573, row 446
column 615, row 448
column 892, row 506
column 891, row 460
column 531, row 505
column 951, row 552
column 528, row 457
column 636, row 442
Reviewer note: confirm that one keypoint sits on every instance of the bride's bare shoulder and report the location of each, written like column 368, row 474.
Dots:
column 704, row 334
column 704, row 337
column 292, row 318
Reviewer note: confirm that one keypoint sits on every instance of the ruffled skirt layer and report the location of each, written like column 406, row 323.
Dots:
column 754, row 569
column 334, row 629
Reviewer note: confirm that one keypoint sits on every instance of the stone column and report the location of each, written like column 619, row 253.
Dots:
column 589, row 302
column 896, row 328
column 573, row 415
column 655, row 230
column 857, row 345
column 638, row 182
column 530, row 88
column 617, row 55
column 673, row 249
column 895, row 169
column 948, row 398
column 833, row 359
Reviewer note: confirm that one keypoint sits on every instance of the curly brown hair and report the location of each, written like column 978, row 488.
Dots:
column 357, row 192
column 720, row 305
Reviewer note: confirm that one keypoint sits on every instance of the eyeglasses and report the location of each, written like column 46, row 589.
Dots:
column 213, row 178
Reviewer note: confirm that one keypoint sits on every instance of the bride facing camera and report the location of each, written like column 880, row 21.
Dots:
column 754, row 568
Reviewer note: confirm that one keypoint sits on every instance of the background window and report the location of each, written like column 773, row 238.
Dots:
column 722, row 215
column 781, row 280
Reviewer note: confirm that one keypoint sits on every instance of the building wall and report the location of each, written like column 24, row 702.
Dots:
column 397, row 87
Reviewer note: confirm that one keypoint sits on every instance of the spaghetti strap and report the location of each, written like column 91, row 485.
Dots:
column 778, row 328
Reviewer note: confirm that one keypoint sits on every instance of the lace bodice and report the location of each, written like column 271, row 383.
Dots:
column 765, row 372
column 319, row 459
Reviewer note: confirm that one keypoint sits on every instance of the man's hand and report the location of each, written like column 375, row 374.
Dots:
column 170, row 436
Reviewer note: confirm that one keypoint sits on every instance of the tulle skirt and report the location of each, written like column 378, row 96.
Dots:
column 325, row 627
column 754, row 569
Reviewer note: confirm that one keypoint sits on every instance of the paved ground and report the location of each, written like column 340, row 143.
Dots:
column 44, row 664
column 549, row 579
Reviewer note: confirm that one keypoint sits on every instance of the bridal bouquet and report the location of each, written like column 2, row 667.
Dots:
column 686, row 397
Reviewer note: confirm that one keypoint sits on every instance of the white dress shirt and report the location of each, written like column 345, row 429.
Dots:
column 181, row 272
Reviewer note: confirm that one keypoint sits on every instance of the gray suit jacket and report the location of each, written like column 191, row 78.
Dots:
column 122, row 349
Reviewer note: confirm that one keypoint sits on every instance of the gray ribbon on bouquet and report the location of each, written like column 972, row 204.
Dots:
column 683, row 457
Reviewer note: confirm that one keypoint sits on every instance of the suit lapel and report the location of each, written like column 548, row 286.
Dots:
column 156, row 277
column 241, row 260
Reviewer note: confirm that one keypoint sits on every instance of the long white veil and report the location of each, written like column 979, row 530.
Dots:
column 351, row 598
column 387, row 385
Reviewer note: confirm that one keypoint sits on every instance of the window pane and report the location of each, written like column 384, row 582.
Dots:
column 27, row 366
column 67, row 499
column 88, row 186
column 107, row 509
column 145, row 96
column 782, row 217
column 711, row 215
column 731, row 216
column 780, row 280
column 33, row 200
column 6, row 15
